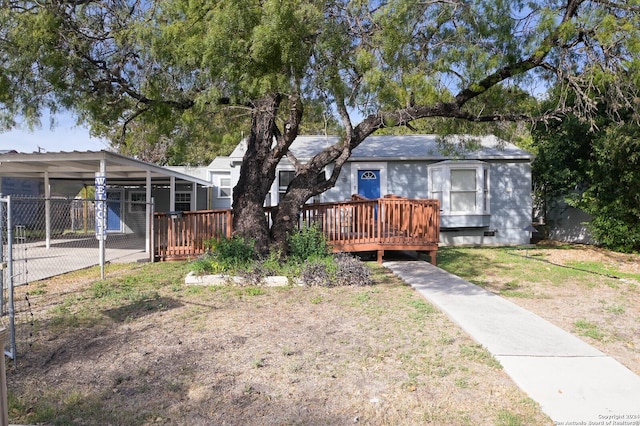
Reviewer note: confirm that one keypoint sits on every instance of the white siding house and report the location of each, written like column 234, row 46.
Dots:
column 483, row 183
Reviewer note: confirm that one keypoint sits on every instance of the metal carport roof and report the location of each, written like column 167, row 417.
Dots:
column 83, row 166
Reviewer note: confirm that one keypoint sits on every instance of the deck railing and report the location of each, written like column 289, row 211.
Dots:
column 390, row 223
column 180, row 235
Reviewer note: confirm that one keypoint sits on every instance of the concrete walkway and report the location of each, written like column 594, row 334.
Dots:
column 574, row 383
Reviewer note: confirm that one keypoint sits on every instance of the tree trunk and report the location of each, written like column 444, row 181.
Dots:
column 309, row 181
column 257, row 174
column 286, row 217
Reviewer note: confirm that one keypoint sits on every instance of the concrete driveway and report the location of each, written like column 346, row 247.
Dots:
column 33, row 261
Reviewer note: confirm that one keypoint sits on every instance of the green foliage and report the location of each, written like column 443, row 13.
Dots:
column 307, row 242
column 613, row 194
column 164, row 65
column 203, row 266
column 233, row 251
column 597, row 171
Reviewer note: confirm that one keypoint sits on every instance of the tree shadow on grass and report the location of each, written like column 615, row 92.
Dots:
column 141, row 308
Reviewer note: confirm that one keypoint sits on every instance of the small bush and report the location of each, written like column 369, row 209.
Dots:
column 226, row 256
column 616, row 233
column 350, row 271
column 307, row 242
column 202, row 266
column 338, row 270
column 234, row 251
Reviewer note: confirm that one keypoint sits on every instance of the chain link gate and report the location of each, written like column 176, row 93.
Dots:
column 45, row 237
column 10, row 272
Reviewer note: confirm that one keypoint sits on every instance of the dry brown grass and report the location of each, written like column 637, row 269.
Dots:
column 141, row 348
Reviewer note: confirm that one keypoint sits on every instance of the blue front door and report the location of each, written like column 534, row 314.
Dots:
column 114, row 210
column 369, row 183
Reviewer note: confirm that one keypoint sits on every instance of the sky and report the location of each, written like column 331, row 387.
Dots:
column 65, row 136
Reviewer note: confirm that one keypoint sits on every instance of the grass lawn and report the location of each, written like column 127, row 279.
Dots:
column 141, row 348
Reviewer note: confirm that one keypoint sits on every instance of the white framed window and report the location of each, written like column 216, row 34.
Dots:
column 137, row 201
column 461, row 186
column 224, row 187
column 284, row 179
column 183, row 201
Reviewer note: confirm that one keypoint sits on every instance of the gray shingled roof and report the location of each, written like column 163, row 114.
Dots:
column 410, row 147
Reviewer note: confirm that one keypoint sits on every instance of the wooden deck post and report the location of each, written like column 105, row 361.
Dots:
column 432, row 257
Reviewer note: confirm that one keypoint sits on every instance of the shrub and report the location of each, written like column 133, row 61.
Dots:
column 338, row 270
column 202, row 266
column 234, row 251
column 226, row 256
column 351, row 271
column 616, row 232
column 307, row 242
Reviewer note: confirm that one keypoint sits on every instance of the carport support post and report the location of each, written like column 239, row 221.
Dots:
column 4, row 407
column 172, row 193
column 2, row 265
column 149, row 217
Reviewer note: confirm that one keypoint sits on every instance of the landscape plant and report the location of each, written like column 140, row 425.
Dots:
column 593, row 167
column 309, row 262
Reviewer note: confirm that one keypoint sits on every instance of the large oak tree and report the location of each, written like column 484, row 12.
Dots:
column 169, row 69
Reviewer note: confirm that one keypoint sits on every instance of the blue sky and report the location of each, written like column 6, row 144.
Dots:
column 65, row 136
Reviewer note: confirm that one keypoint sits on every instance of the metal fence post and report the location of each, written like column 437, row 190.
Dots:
column 12, row 328
column 4, row 406
column 2, row 264
column 152, row 231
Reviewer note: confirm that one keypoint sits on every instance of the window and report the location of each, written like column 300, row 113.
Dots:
column 462, row 187
column 137, row 201
column 183, row 201
column 463, row 190
column 224, row 187
column 435, row 179
column 284, row 179
column 368, row 175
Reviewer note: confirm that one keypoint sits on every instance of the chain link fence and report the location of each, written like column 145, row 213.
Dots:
column 42, row 238
column 58, row 235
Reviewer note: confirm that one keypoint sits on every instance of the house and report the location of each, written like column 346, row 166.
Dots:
column 483, row 183
column 218, row 173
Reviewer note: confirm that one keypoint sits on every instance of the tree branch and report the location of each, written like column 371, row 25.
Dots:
column 523, row 66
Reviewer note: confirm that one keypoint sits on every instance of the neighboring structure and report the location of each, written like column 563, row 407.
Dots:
column 483, row 184
column 567, row 224
column 218, row 173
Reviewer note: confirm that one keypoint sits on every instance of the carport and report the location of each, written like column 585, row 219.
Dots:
column 53, row 175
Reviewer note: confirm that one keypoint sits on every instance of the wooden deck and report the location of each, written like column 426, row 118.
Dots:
column 360, row 225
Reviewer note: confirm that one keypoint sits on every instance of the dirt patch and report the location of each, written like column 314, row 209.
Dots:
column 141, row 348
